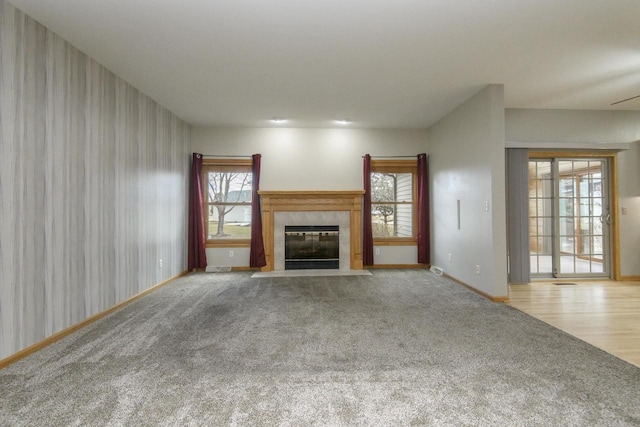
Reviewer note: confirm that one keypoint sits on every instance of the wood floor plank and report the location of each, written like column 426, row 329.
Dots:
column 605, row 314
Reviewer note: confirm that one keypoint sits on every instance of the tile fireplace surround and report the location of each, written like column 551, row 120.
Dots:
column 342, row 208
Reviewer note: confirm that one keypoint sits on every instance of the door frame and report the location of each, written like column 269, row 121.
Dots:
column 613, row 194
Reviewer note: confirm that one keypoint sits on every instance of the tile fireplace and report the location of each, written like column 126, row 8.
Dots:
column 312, row 208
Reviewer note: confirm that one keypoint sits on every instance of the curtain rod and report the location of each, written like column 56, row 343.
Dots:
column 219, row 155
column 391, row 157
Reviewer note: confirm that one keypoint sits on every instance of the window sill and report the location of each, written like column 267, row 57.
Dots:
column 399, row 241
column 229, row 243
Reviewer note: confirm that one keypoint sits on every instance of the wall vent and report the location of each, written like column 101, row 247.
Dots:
column 437, row 270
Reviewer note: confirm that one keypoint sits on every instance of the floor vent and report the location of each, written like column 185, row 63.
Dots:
column 565, row 283
column 437, row 270
column 218, row 268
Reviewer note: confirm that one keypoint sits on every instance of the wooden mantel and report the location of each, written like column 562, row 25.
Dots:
column 296, row 201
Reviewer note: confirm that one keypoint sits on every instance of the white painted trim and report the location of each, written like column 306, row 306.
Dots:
column 619, row 146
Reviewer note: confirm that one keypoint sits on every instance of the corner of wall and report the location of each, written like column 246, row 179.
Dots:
column 467, row 170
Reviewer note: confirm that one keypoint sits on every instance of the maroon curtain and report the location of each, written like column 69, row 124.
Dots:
column 256, row 255
column 367, row 232
column 197, row 239
column 424, row 247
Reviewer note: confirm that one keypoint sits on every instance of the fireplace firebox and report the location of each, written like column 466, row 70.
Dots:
column 311, row 247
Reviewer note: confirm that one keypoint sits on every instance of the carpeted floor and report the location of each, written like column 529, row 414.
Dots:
column 396, row 348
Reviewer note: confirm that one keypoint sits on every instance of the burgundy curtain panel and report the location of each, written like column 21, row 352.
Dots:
column 256, row 255
column 197, row 239
column 424, row 245
column 367, row 231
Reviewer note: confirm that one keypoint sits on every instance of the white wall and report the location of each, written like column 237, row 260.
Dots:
column 529, row 125
column 629, row 202
column 467, row 163
column 395, row 255
column 308, row 159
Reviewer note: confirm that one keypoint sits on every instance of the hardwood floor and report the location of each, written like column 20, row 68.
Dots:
column 605, row 314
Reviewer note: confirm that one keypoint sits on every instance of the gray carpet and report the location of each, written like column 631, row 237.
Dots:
column 396, row 348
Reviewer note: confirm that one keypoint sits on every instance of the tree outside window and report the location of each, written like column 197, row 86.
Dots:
column 227, row 200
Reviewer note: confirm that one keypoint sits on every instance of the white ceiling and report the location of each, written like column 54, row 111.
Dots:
column 380, row 63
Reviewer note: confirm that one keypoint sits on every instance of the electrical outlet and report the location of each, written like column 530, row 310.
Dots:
column 624, row 210
column 450, row 257
column 160, row 263
column 230, row 254
column 377, row 251
column 486, row 206
column 477, row 269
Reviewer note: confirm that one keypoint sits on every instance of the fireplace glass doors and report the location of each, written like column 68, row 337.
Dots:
column 311, row 247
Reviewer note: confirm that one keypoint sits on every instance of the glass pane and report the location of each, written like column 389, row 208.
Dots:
column 567, row 264
column 228, row 187
column 541, row 264
column 585, row 225
column 547, row 245
column 546, row 189
column 229, row 222
column 585, row 206
column 580, row 167
column 566, row 226
column 566, row 207
column 534, row 264
column 597, row 266
column 540, row 169
column 566, row 187
column 584, row 245
column 597, row 225
column 596, row 206
column 391, row 187
column 545, row 226
column 545, row 207
column 533, row 207
column 388, row 220
column 544, row 264
column 535, row 245
column 598, row 248
column 567, row 245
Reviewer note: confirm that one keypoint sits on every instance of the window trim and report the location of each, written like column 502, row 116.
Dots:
column 400, row 166
column 222, row 165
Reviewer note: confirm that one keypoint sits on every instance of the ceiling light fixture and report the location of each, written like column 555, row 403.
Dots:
column 343, row 121
column 278, row 120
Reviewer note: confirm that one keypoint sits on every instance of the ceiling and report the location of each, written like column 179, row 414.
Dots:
column 378, row 63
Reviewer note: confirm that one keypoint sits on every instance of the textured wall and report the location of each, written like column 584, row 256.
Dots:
column 92, row 186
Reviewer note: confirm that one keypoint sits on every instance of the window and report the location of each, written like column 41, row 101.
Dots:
column 393, row 201
column 227, row 201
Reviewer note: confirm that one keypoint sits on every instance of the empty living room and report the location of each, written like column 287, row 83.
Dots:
column 319, row 213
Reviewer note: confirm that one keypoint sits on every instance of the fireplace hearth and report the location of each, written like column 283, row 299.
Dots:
column 311, row 247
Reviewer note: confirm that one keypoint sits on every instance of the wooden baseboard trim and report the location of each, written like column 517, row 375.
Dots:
column 245, row 268
column 373, row 267
column 500, row 299
column 629, row 278
column 71, row 329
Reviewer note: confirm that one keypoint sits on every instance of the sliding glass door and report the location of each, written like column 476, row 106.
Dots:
column 569, row 217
